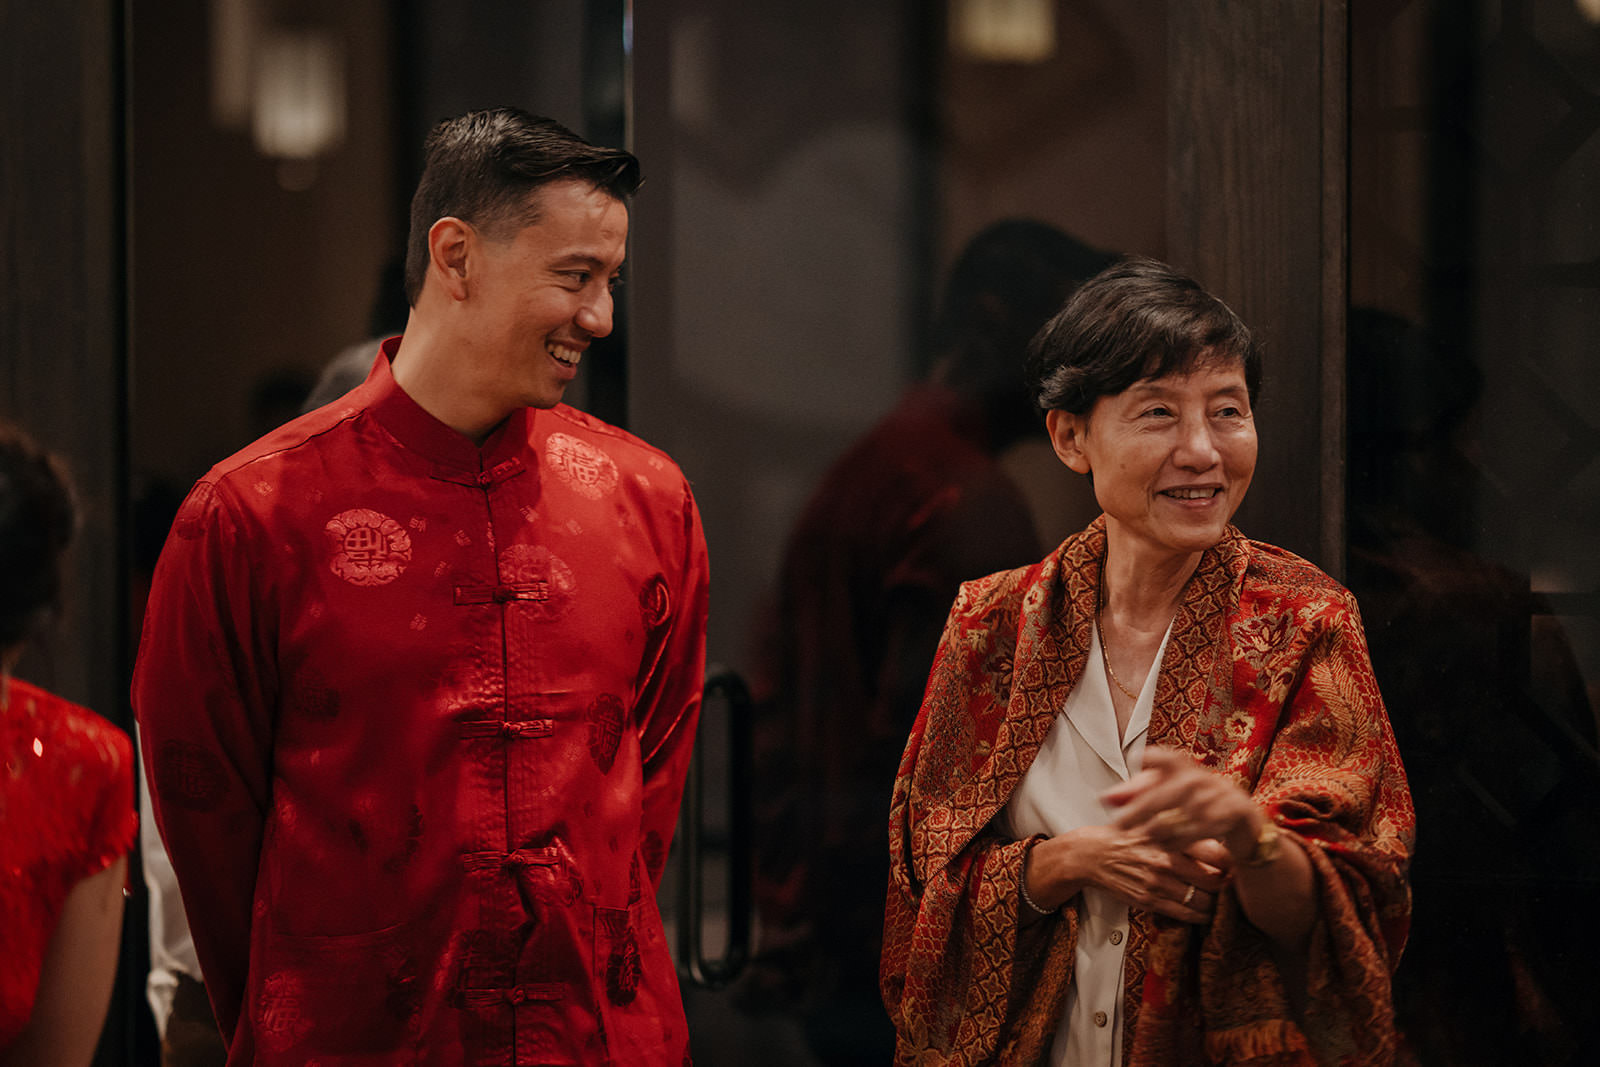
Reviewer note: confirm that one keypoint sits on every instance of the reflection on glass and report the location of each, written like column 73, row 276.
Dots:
column 916, row 506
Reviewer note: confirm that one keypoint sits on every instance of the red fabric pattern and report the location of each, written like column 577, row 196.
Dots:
column 1265, row 679
column 417, row 715
column 66, row 812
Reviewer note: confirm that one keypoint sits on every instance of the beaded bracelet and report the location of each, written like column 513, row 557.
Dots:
column 1022, row 888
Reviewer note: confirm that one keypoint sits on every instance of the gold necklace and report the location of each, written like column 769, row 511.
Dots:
column 1105, row 658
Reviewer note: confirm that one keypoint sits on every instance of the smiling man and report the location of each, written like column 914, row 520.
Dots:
column 421, row 670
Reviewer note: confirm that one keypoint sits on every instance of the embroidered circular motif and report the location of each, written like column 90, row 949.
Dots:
column 604, row 716
column 406, row 850
column 402, row 992
column 190, row 776
column 585, row 468
column 369, row 548
column 623, row 970
column 317, row 702
column 554, row 879
column 544, row 582
column 654, row 601
column 281, row 1012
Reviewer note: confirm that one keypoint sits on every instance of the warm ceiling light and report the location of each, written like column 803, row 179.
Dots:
column 1004, row 31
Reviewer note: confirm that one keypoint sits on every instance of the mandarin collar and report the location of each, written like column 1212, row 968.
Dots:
column 416, row 429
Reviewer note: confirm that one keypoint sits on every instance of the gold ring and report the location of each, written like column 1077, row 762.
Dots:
column 1187, row 897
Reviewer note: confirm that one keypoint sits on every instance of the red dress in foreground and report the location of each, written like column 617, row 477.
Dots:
column 66, row 812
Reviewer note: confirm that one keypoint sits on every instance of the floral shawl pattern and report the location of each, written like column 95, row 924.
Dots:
column 1266, row 679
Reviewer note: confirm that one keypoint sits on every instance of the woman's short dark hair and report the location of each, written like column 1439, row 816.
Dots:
column 481, row 168
column 37, row 518
column 1137, row 319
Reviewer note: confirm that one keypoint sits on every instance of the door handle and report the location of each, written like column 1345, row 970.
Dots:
column 715, row 973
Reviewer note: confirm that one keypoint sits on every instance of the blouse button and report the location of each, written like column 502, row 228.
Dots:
column 1116, row 937
column 1099, row 1018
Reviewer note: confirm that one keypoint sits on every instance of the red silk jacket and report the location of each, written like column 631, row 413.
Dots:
column 417, row 716
column 1265, row 679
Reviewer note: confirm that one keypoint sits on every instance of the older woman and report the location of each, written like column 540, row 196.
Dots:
column 1151, row 811
column 66, row 798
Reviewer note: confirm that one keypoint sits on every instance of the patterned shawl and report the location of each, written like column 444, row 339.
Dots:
column 1266, row 679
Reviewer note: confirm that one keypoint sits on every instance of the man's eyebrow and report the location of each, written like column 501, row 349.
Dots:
column 580, row 259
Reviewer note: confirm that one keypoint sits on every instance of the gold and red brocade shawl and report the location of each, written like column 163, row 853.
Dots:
column 1266, row 679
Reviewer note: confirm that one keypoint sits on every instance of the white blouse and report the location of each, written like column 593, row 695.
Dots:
column 1081, row 758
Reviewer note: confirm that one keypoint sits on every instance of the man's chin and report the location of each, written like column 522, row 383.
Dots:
column 545, row 398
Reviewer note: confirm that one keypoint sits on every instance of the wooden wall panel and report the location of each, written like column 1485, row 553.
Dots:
column 61, row 317
column 1256, row 209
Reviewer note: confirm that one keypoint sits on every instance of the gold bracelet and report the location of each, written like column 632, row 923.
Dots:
column 1269, row 842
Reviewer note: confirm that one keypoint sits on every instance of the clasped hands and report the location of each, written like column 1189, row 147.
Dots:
column 1177, row 833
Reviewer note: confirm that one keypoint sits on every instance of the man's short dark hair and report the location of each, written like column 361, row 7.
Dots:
column 1137, row 319
column 481, row 168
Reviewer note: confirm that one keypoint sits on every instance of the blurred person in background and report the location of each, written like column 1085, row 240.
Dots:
column 67, row 819
column 915, row 507
column 1491, row 714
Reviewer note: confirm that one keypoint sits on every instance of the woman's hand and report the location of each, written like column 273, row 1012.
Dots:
column 1130, row 865
column 1177, row 802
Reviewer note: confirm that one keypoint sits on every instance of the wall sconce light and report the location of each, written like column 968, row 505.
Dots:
column 285, row 85
column 1004, row 31
column 298, row 111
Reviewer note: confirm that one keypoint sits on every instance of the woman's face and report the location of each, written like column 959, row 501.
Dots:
column 1171, row 457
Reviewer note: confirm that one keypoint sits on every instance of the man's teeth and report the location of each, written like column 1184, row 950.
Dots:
column 569, row 356
column 1191, row 494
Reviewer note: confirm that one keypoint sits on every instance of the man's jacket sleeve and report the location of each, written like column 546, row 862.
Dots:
column 668, row 707
column 204, row 690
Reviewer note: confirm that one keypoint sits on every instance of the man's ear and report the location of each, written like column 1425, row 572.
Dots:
column 1067, row 432
column 450, row 244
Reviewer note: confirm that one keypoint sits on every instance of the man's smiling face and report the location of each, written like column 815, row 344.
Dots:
column 543, row 293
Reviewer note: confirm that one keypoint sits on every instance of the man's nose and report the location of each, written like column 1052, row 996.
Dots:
column 594, row 317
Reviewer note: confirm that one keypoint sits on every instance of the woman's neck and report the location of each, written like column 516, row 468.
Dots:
column 1140, row 591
